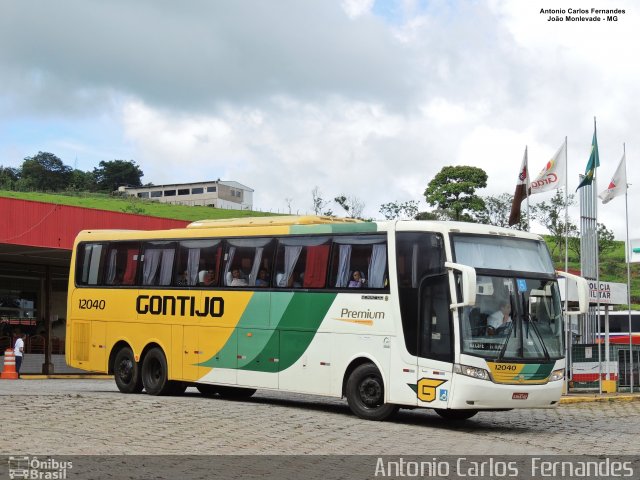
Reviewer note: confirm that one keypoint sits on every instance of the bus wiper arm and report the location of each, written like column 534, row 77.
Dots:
column 506, row 341
column 537, row 332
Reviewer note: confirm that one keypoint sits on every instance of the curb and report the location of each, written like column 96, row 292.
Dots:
column 599, row 399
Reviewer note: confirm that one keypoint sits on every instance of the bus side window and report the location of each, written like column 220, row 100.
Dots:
column 121, row 264
column 89, row 263
column 157, row 265
column 302, row 262
column 198, row 263
column 246, row 257
column 366, row 254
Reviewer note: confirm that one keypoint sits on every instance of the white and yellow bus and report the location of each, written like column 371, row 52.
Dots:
column 388, row 314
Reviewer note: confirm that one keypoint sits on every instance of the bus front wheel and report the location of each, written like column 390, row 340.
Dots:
column 126, row 372
column 365, row 394
column 455, row 414
column 155, row 374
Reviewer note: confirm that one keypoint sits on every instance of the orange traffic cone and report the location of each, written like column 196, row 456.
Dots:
column 9, row 371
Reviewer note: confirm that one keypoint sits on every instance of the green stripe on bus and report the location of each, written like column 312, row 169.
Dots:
column 537, row 371
column 295, row 331
column 295, row 318
column 254, row 321
column 364, row 227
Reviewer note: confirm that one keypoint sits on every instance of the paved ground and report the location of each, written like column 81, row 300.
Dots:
column 80, row 417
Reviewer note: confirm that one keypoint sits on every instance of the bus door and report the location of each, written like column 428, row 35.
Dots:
column 435, row 341
column 423, row 297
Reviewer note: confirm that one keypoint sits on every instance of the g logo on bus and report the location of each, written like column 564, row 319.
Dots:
column 427, row 388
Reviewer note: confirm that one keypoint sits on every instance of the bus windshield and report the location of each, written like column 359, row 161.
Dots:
column 514, row 319
column 503, row 253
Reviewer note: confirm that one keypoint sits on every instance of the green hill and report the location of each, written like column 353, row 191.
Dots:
column 613, row 268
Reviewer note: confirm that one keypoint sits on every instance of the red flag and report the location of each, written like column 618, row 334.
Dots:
column 522, row 188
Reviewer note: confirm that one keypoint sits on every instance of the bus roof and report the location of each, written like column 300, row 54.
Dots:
column 299, row 225
column 270, row 221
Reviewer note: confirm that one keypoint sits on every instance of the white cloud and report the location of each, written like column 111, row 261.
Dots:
column 357, row 8
column 361, row 98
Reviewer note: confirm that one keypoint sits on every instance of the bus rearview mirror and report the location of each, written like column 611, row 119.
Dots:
column 468, row 287
column 582, row 287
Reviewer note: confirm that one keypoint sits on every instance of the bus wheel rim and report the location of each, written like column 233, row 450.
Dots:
column 371, row 392
column 125, row 370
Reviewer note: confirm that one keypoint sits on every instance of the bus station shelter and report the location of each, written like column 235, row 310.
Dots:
column 36, row 239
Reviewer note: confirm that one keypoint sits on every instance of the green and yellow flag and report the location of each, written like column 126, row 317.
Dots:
column 592, row 164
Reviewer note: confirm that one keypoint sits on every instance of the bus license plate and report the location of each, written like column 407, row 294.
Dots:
column 519, row 396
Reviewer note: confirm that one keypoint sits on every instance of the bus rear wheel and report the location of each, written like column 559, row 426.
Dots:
column 155, row 374
column 455, row 414
column 365, row 394
column 126, row 372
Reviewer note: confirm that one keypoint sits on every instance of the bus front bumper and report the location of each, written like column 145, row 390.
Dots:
column 472, row 393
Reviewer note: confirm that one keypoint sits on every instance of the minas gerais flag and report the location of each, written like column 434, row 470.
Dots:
column 522, row 190
column 618, row 184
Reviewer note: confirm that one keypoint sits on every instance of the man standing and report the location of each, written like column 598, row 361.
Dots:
column 18, row 350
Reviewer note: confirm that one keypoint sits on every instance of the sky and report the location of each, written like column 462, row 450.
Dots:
column 362, row 98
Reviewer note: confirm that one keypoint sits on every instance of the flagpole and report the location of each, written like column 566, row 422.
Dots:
column 526, row 157
column 566, row 259
column 628, row 255
column 594, row 185
column 566, row 207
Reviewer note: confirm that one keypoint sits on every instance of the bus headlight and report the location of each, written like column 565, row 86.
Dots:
column 474, row 372
column 556, row 375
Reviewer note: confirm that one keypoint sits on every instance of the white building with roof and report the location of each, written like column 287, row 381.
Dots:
column 218, row 193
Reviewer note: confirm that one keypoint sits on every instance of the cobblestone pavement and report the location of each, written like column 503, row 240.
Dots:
column 82, row 417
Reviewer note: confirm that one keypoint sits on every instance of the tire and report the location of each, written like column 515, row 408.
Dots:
column 455, row 414
column 126, row 372
column 365, row 394
column 207, row 390
column 235, row 393
column 155, row 374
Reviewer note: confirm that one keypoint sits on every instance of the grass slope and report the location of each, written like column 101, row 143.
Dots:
column 132, row 205
column 613, row 268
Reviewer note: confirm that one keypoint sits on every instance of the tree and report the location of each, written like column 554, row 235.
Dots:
column 453, row 188
column 319, row 203
column 435, row 215
column 552, row 216
column 44, row 171
column 353, row 206
column 8, row 177
column 404, row 210
column 114, row 173
column 82, row 181
column 606, row 241
column 497, row 210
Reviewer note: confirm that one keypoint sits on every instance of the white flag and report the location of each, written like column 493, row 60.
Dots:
column 552, row 175
column 618, row 184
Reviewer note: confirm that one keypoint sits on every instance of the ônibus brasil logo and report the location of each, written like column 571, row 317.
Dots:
column 37, row 469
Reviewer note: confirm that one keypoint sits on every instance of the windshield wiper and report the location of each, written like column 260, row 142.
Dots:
column 537, row 332
column 507, row 338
